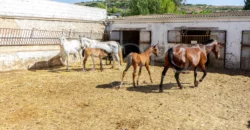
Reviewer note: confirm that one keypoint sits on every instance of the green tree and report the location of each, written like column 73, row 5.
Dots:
column 154, row 6
column 247, row 5
column 138, row 7
column 100, row 5
column 167, row 6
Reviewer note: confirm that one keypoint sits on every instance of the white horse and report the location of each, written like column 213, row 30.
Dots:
column 70, row 47
column 111, row 47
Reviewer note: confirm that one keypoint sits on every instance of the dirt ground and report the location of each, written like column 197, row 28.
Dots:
column 59, row 99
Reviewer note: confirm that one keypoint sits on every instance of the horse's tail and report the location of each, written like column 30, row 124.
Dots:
column 83, row 51
column 128, row 59
column 120, row 53
column 171, row 60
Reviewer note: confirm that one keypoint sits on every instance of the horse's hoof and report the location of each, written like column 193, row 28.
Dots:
column 196, row 83
column 117, row 87
column 161, row 91
column 180, row 87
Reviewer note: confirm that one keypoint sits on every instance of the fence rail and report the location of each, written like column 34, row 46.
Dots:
column 19, row 37
column 186, row 39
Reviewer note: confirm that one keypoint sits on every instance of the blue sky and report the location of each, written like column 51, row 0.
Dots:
column 209, row 2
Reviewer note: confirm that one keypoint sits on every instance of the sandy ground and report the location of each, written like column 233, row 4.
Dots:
column 59, row 99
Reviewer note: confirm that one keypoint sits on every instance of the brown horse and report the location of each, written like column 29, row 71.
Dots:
column 180, row 57
column 93, row 52
column 142, row 59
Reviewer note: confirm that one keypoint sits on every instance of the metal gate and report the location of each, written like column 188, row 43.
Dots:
column 21, row 37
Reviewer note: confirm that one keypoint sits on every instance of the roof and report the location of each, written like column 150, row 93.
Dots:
column 183, row 16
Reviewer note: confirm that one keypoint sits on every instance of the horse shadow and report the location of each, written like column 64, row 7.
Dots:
column 248, row 124
column 141, row 88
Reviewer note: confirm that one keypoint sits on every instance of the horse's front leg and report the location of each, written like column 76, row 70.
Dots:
column 61, row 60
column 147, row 67
column 177, row 79
column 196, row 83
column 67, row 67
column 80, row 57
column 93, row 62
column 100, row 57
column 163, row 74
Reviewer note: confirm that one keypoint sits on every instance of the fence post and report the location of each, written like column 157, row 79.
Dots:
column 31, row 34
column 70, row 32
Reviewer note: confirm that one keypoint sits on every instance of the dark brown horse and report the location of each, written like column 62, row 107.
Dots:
column 180, row 58
column 142, row 59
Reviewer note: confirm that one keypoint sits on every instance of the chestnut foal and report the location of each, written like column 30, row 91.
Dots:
column 136, row 60
column 93, row 52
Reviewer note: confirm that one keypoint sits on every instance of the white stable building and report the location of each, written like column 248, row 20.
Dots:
column 230, row 28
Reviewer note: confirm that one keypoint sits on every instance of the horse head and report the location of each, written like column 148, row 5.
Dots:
column 62, row 39
column 85, row 42
column 155, row 50
column 216, row 49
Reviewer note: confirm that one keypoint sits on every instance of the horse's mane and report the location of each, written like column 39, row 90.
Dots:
column 208, row 41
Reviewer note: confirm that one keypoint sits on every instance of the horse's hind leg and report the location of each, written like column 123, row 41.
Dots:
column 177, row 79
column 196, row 83
column 134, row 74
column 113, row 61
column 118, row 60
column 139, row 74
column 203, row 68
column 147, row 67
column 84, row 63
column 75, row 57
column 126, row 69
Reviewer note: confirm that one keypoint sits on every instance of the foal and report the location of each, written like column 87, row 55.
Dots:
column 180, row 57
column 136, row 60
column 93, row 52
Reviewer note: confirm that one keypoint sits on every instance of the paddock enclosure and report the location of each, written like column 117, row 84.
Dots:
column 58, row 99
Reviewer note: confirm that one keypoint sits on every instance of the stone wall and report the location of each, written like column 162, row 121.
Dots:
column 43, row 15
column 50, row 9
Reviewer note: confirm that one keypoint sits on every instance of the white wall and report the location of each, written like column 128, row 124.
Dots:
column 234, row 30
column 50, row 9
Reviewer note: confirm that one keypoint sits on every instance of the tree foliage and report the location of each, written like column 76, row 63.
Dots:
column 247, row 5
column 143, row 7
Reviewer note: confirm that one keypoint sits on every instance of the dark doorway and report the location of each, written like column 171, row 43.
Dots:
column 131, row 41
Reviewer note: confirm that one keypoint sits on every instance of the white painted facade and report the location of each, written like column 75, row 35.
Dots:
column 159, row 29
column 50, row 9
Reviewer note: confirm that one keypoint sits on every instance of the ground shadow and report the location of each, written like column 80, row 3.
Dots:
column 144, row 88
column 248, row 124
column 155, row 88
column 112, row 85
